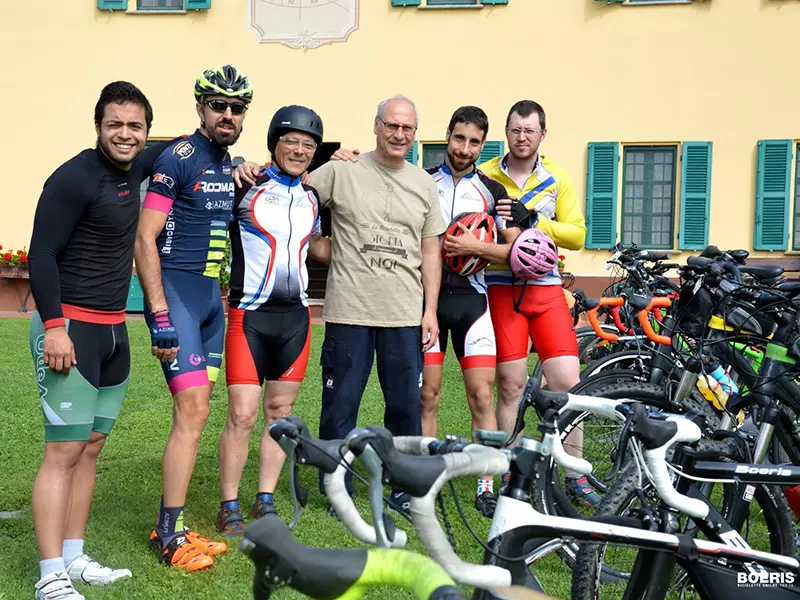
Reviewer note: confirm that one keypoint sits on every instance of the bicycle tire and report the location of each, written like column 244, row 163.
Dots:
column 621, row 361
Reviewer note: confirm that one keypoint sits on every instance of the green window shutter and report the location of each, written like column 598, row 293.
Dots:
column 490, row 150
column 601, row 195
column 135, row 296
column 413, row 154
column 773, row 187
column 112, row 4
column 406, row 2
column 695, row 195
column 197, row 4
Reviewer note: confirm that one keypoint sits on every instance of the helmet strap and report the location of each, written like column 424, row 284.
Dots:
column 518, row 301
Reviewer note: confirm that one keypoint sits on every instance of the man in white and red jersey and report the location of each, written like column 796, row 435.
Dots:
column 275, row 226
column 463, row 310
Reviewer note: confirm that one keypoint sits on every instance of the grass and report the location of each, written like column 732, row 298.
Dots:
column 129, row 482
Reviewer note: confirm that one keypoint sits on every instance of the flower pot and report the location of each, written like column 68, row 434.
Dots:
column 13, row 272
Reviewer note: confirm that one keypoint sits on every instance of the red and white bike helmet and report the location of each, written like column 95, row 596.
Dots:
column 533, row 255
column 482, row 226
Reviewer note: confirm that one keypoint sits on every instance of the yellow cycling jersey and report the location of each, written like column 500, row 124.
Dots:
column 550, row 192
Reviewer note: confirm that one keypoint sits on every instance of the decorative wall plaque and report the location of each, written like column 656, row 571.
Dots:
column 303, row 24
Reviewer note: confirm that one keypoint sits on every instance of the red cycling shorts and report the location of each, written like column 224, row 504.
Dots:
column 543, row 317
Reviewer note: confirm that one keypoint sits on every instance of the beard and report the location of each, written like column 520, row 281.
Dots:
column 224, row 138
column 459, row 164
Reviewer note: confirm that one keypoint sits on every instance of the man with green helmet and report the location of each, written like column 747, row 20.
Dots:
column 180, row 244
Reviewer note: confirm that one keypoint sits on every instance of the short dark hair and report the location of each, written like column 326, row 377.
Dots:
column 122, row 92
column 525, row 108
column 470, row 114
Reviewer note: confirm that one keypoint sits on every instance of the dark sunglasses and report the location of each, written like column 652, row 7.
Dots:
column 220, row 106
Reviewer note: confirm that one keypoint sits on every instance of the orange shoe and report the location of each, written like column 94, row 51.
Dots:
column 205, row 545
column 180, row 553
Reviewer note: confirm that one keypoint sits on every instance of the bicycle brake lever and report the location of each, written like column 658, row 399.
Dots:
column 299, row 493
column 622, row 447
column 384, row 523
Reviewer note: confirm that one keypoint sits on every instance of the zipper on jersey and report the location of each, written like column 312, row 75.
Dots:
column 449, row 275
column 289, row 248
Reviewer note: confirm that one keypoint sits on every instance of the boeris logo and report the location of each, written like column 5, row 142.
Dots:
column 764, row 579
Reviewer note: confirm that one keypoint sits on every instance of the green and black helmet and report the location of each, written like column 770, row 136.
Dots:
column 223, row 81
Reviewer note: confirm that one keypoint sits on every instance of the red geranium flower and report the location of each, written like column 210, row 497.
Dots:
column 7, row 256
column 20, row 252
column 24, row 260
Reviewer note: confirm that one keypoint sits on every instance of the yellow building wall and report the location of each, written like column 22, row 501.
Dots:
column 718, row 70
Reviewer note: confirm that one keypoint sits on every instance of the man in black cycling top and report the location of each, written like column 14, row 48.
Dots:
column 80, row 260
column 275, row 226
column 179, row 248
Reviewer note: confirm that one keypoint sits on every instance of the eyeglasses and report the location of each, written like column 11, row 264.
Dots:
column 292, row 143
column 529, row 133
column 220, row 106
column 393, row 127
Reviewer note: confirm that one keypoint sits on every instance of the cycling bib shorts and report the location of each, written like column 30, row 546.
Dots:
column 90, row 397
column 195, row 308
column 543, row 316
column 267, row 345
column 467, row 318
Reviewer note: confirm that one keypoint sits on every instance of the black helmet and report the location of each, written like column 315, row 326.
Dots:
column 294, row 118
column 223, row 81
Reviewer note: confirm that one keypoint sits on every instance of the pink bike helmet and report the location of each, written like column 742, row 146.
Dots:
column 533, row 254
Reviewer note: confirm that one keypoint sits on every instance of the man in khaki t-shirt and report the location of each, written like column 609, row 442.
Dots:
column 385, row 259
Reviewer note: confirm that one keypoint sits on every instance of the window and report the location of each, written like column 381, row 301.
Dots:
column 648, row 196
column 154, row 5
column 652, row 202
column 796, row 236
column 433, row 155
column 159, row 4
column 443, row 3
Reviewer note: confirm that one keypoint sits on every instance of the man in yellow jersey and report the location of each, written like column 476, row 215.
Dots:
column 536, row 309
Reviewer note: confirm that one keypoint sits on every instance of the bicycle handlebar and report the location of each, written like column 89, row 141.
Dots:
column 592, row 314
column 645, row 322
column 337, row 573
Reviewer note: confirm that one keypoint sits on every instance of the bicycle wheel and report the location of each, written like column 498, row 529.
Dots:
column 603, row 570
column 627, row 360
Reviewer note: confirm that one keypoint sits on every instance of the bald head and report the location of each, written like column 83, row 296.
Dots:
column 395, row 127
column 389, row 104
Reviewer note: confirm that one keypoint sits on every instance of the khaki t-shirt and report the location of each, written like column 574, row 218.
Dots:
column 379, row 215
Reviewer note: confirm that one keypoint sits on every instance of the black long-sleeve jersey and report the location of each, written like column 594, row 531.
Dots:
column 81, row 250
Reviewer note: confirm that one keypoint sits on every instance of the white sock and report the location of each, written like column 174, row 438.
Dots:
column 72, row 549
column 51, row 565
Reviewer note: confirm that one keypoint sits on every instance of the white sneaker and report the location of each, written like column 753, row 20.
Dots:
column 85, row 569
column 56, row 586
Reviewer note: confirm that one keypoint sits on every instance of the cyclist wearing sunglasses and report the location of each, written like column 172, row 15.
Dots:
column 179, row 247
column 275, row 226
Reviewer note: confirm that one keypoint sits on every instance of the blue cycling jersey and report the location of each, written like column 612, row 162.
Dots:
column 193, row 185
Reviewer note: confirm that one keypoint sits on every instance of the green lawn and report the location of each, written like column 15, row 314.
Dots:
column 129, row 482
